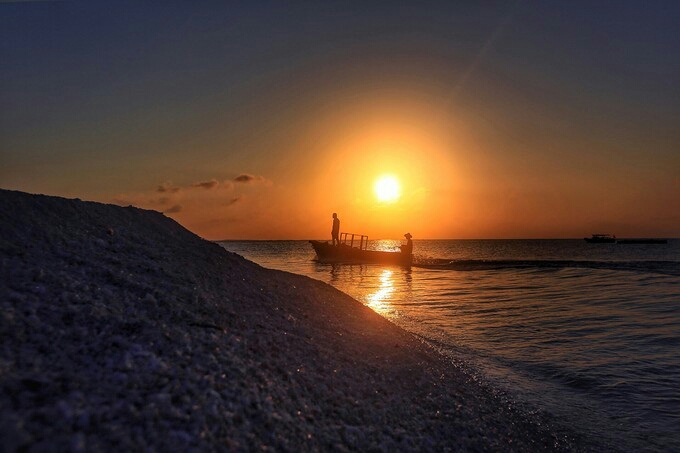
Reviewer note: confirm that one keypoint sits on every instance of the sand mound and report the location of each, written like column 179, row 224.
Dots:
column 122, row 330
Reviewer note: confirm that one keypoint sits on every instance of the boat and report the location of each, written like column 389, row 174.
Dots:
column 347, row 253
column 611, row 239
column 601, row 238
column 642, row 241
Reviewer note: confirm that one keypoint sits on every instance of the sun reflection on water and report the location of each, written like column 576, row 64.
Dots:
column 385, row 245
column 379, row 301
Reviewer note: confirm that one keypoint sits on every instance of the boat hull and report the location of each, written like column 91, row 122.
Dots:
column 328, row 253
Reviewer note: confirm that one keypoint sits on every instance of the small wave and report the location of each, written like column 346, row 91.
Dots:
column 659, row 267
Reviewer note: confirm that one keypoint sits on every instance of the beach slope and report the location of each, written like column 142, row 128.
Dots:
column 121, row 330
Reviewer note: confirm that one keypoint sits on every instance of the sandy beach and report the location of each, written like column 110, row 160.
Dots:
column 122, row 330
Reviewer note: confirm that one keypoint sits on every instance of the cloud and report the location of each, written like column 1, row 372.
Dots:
column 246, row 178
column 167, row 187
column 201, row 196
column 208, row 185
column 233, row 200
column 175, row 209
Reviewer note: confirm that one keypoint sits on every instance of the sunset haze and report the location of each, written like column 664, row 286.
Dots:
column 259, row 120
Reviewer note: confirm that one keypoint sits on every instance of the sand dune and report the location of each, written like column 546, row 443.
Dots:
column 122, row 330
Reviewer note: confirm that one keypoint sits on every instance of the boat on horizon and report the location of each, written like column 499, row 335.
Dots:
column 347, row 253
column 601, row 238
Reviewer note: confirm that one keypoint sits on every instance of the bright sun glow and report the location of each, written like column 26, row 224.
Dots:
column 387, row 189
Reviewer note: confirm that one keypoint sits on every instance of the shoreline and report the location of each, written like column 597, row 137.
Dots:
column 124, row 330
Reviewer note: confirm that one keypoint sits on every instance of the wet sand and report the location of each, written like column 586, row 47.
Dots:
column 123, row 330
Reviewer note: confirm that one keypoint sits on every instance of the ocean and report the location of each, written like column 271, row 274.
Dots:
column 588, row 334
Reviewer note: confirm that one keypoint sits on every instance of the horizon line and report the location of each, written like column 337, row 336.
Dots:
column 453, row 239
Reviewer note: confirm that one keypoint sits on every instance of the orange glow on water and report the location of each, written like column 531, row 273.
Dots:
column 379, row 300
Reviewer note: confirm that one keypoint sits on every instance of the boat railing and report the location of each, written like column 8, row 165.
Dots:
column 363, row 240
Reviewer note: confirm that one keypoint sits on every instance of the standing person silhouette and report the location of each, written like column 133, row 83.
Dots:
column 335, row 232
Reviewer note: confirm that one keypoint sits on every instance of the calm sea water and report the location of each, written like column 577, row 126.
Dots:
column 588, row 333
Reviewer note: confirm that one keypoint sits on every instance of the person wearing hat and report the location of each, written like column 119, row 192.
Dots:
column 408, row 247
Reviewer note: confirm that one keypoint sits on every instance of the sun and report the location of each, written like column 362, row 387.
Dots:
column 387, row 189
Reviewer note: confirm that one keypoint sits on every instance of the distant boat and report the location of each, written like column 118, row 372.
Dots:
column 611, row 239
column 346, row 253
column 601, row 239
column 642, row 241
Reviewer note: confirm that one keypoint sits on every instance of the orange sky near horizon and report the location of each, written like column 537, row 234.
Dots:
column 451, row 186
column 246, row 122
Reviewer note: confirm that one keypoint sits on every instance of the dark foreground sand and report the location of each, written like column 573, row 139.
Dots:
column 121, row 330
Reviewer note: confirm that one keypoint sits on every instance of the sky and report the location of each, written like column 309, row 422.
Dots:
column 258, row 120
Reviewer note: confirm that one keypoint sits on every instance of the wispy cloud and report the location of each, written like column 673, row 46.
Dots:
column 208, row 185
column 243, row 177
column 201, row 198
column 174, row 209
column 246, row 178
column 168, row 187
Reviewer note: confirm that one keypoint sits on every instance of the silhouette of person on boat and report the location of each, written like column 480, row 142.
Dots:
column 408, row 247
column 353, row 249
column 335, row 232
